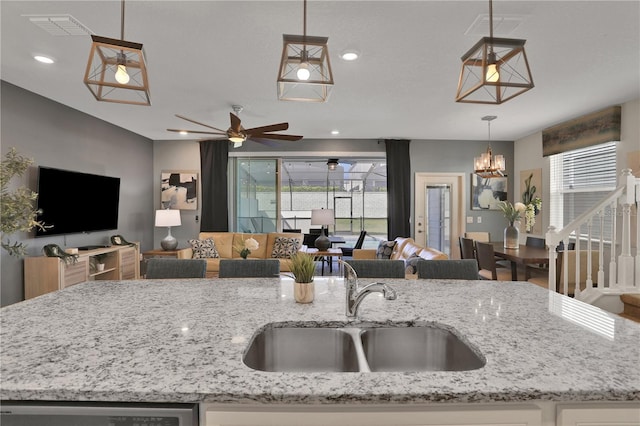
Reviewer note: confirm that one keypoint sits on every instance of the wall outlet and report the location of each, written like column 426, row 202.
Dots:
column 469, row 219
column 479, row 219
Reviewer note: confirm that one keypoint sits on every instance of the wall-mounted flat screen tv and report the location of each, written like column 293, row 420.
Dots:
column 74, row 202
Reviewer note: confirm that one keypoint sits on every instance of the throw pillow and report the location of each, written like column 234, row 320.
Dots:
column 385, row 248
column 284, row 248
column 411, row 264
column 203, row 249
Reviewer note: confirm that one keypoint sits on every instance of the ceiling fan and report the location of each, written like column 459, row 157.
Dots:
column 238, row 134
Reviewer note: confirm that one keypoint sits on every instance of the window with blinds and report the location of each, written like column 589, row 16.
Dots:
column 578, row 180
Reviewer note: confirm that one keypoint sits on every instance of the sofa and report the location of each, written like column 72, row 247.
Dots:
column 278, row 245
column 402, row 248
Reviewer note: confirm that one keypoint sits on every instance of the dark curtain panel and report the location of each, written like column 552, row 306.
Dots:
column 399, row 188
column 214, row 158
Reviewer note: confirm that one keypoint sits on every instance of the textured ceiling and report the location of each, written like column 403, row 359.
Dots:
column 204, row 56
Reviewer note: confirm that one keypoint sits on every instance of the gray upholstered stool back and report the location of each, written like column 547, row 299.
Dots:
column 377, row 268
column 247, row 268
column 463, row 269
column 176, row 268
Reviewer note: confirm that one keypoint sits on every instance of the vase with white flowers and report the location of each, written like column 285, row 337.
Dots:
column 531, row 202
column 512, row 213
column 248, row 245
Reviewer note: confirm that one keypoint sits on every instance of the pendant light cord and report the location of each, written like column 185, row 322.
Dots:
column 122, row 20
column 490, row 19
column 304, row 20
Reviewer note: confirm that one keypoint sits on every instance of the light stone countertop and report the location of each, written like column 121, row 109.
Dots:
column 183, row 340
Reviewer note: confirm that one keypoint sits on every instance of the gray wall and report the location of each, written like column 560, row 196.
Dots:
column 57, row 136
column 449, row 156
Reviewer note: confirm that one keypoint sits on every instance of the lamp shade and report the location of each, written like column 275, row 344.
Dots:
column 168, row 218
column 322, row 217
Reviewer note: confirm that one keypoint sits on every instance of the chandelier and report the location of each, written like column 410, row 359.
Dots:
column 487, row 165
column 494, row 70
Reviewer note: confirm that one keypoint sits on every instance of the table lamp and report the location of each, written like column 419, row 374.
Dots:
column 322, row 217
column 168, row 218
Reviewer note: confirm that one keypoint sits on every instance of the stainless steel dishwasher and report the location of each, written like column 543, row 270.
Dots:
column 37, row 413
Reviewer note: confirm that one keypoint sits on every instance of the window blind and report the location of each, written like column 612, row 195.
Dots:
column 578, row 179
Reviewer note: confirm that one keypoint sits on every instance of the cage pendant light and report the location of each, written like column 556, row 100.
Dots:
column 305, row 69
column 487, row 165
column 494, row 70
column 116, row 70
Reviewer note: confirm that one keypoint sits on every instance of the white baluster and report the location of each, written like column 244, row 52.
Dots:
column 601, row 254
column 612, row 259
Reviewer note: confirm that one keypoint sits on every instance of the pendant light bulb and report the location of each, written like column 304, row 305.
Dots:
column 492, row 75
column 303, row 72
column 121, row 75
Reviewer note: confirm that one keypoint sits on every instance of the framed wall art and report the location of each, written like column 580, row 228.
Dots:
column 487, row 192
column 179, row 190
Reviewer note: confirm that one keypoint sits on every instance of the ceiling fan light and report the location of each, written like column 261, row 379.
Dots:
column 236, row 143
column 237, row 140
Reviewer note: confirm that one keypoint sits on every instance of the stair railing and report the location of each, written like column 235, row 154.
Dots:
column 624, row 272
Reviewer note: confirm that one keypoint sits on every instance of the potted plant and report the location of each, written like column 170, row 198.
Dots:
column 303, row 268
column 97, row 261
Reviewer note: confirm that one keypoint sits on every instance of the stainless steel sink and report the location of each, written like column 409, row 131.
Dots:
column 302, row 349
column 366, row 348
column 417, row 349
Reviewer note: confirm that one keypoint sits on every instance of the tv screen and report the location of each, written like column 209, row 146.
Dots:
column 74, row 202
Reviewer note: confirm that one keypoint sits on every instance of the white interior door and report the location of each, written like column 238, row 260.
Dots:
column 439, row 211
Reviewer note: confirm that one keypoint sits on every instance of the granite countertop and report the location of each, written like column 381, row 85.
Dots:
column 183, row 340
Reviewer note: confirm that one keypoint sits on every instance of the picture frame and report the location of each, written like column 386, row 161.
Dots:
column 487, row 192
column 179, row 189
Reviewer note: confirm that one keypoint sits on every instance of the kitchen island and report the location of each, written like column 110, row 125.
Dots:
column 183, row 340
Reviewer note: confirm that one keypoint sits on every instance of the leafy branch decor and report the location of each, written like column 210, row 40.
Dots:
column 17, row 213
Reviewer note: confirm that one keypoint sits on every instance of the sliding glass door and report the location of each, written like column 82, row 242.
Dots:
column 256, row 195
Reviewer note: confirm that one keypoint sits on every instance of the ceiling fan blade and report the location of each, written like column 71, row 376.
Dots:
column 270, row 128
column 235, row 123
column 277, row 137
column 202, row 132
column 200, row 124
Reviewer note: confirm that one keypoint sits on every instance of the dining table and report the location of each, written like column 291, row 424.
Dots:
column 523, row 255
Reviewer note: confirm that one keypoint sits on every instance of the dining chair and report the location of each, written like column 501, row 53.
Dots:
column 487, row 263
column 570, row 264
column 161, row 268
column 467, row 251
column 377, row 268
column 248, row 268
column 348, row 251
column 532, row 270
column 459, row 269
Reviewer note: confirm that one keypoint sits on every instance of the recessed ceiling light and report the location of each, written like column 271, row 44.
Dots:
column 335, row 132
column 43, row 59
column 184, row 133
column 349, row 55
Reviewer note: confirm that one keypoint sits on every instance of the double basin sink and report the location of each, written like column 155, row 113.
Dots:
column 309, row 347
